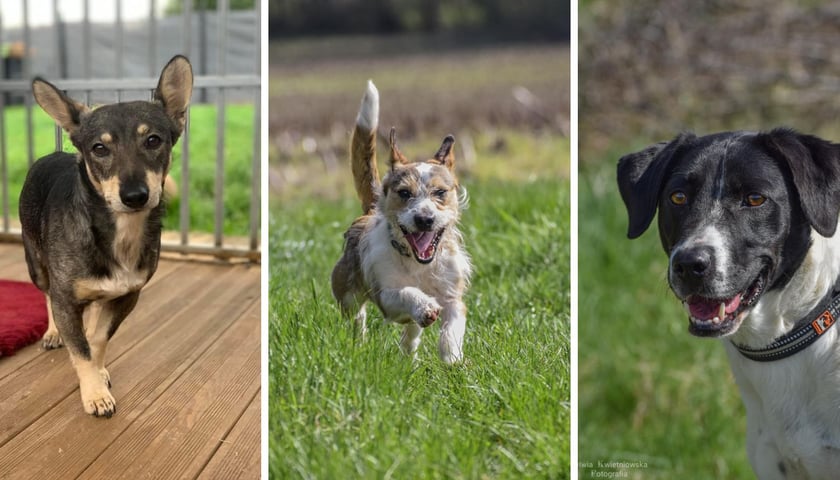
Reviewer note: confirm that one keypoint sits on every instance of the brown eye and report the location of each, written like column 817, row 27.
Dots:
column 679, row 198
column 754, row 199
column 404, row 193
column 153, row 142
column 440, row 193
column 100, row 150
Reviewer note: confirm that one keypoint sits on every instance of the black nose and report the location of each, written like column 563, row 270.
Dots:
column 692, row 264
column 424, row 222
column 134, row 196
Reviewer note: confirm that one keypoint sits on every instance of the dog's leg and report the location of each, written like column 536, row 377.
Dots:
column 51, row 338
column 360, row 323
column 409, row 302
column 96, row 399
column 452, row 326
column 410, row 339
column 103, row 323
column 94, row 331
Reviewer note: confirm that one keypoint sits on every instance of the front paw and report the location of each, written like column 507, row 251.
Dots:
column 98, row 401
column 426, row 314
column 51, row 340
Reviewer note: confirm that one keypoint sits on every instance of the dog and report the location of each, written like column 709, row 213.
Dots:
column 405, row 252
column 91, row 222
column 749, row 222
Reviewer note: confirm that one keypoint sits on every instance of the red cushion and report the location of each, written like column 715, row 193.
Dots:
column 23, row 315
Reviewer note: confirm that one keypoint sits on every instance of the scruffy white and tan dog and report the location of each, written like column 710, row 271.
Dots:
column 405, row 252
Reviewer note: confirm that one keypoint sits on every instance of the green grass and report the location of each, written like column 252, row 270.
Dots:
column 649, row 391
column 344, row 410
column 239, row 120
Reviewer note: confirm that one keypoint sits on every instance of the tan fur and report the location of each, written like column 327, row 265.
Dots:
column 127, row 241
column 107, row 288
column 175, row 92
column 64, row 110
column 363, row 166
column 142, row 129
column 106, row 138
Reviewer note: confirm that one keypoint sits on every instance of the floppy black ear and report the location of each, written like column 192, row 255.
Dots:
column 640, row 177
column 815, row 166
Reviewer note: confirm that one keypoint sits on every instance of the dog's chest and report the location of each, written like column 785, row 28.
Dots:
column 126, row 274
column 793, row 410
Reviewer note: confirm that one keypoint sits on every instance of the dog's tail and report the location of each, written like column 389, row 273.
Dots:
column 363, row 149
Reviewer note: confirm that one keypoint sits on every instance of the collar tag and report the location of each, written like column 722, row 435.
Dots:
column 821, row 324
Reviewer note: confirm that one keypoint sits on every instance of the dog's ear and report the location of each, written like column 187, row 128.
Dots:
column 174, row 90
column 446, row 154
column 640, row 177
column 63, row 109
column 396, row 156
column 815, row 166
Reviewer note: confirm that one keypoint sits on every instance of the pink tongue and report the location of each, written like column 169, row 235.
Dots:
column 420, row 242
column 706, row 309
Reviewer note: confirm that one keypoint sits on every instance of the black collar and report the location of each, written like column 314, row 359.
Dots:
column 804, row 334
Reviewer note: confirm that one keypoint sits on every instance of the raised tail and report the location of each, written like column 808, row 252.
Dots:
column 363, row 149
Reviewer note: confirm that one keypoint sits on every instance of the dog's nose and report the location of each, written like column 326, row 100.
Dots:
column 135, row 197
column 424, row 222
column 692, row 264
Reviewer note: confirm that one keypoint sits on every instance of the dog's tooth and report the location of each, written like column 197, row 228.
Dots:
column 722, row 311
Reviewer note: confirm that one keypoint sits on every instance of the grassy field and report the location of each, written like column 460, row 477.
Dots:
column 239, row 143
column 338, row 409
column 649, row 391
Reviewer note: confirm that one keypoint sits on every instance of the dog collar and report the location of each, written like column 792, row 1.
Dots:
column 824, row 317
column 400, row 248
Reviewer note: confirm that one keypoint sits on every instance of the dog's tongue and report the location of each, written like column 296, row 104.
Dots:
column 421, row 242
column 707, row 308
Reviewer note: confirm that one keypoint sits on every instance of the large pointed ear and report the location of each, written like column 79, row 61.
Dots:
column 640, row 178
column 174, row 89
column 815, row 166
column 446, row 154
column 396, row 156
column 63, row 109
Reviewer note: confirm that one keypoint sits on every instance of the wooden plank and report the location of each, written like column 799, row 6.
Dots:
column 239, row 455
column 27, row 392
column 177, row 436
column 64, row 441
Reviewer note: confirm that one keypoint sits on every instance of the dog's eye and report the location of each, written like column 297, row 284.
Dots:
column 679, row 198
column 100, row 150
column 153, row 142
column 440, row 193
column 404, row 193
column 754, row 199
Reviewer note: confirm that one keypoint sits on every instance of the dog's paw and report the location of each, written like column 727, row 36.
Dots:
column 426, row 314
column 51, row 340
column 98, row 401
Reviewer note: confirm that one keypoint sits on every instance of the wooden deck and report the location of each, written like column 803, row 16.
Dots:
column 185, row 368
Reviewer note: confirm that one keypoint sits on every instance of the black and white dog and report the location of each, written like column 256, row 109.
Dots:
column 748, row 221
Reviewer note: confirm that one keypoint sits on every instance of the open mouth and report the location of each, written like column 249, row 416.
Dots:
column 716, row 317
column 423, row 244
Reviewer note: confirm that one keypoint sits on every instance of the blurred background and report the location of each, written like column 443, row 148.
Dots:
column 495, row 74
column 650, row 392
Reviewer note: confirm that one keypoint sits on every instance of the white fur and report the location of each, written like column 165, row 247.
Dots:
column 793, row 405
column 410, row 290
column 368, row 117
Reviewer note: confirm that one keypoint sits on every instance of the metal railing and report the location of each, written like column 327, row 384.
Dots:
column 218, row 83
